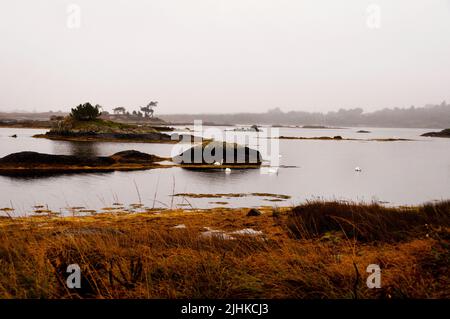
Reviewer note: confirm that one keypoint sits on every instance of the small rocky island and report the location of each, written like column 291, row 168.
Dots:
column 320, row 127
column 443, row 133
column 84, row 124
column 36, row 163
column 104, row 131
column 216, row 154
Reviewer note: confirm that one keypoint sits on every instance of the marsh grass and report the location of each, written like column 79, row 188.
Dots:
column 366, row 222
column 309, row 251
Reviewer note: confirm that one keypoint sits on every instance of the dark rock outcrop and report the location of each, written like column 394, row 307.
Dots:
column 254, row 212
column 443, row 133
column 156, row 136
column 104, row 130
column 37, row 162
column 219, row 152
column 134, row 157
column 29, row 158
column 253, row 128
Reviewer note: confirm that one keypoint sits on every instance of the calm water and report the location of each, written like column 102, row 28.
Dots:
column 399, row 173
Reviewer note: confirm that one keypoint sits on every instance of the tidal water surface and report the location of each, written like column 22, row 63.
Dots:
column 394, row 173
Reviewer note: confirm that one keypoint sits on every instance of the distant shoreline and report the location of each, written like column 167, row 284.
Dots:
column 45, row 124
column 431, row 116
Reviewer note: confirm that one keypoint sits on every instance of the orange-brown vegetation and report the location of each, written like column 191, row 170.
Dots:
column 316, row 250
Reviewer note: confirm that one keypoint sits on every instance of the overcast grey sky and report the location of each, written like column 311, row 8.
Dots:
column 224, row 55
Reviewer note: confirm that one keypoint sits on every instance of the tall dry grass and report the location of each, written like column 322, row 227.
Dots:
column 317, row 250
column 367, row 222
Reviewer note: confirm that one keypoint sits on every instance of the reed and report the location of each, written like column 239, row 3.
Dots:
column 316, row 250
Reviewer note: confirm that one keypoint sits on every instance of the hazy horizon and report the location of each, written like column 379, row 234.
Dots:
column 224, row 56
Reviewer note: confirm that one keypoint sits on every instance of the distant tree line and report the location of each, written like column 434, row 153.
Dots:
column 87, row 112
column 429, row 116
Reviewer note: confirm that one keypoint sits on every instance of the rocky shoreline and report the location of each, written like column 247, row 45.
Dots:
column 69, row 129
column 443, row 133
column 227, row 156
column 34, row 163
column 153, row 137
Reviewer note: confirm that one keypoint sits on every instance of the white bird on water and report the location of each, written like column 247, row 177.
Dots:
column 358, row 169
column 227, row 170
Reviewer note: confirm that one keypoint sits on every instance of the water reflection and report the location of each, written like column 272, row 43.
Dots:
column 86, row 149
column 49, row 175
column 217, row 175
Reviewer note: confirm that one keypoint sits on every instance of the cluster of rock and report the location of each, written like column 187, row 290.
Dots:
column 223, row 153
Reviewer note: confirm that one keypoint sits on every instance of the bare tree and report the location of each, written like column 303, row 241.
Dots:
column 149, row 109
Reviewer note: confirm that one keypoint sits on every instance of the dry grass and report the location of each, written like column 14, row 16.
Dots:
column 305, row 252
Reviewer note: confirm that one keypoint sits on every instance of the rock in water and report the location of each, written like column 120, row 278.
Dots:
column 221, row 152
column 443, row 133
column 34, row 160
column 134, row 157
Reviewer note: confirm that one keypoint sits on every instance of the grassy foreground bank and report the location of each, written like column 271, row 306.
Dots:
column 317, row 250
